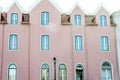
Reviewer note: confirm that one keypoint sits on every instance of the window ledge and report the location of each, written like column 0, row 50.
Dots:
column 3, row 22
column 92, row 24
column 25, row 23
column 66, row 23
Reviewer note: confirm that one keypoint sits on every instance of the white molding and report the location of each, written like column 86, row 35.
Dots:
column 83, row 71
column 14, row 2
column 79, row 51
column 18, row 42
column 108, row 43
column 111, row 68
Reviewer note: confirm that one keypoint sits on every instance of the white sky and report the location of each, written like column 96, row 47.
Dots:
column 87, row 5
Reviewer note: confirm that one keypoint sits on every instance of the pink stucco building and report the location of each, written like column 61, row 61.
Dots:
column 83, row 45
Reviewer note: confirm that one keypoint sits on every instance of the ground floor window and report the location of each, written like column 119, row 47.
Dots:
column 79, row 72
column 106, row 71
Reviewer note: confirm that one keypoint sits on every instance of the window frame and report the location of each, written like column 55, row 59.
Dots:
column 14, row 19
column 101, row 43
column 112, row 77
column 76, row 21
column 45, row 19
column 75, row 42
column 59, row 71
column 103, row 23
column 49, row 43
column 17, row 42
column 81, row 69
column 42, row 68
column 14, row 68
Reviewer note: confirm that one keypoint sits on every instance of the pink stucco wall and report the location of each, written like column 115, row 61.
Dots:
column 29, row 57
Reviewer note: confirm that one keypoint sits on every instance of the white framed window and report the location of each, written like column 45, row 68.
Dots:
column 103, row 21
column 45, row 72
column 79, row 72
column 77, row 20
column 62, row 72
column 104, row 43
column 45, row 18
column 78, row 43
column 12, row 72
column 45, row 42
column 13, row 42
column 14, row 18
column 106, row 71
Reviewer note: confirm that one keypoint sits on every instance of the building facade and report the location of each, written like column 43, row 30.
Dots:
column 116, row 19
column 84, row 46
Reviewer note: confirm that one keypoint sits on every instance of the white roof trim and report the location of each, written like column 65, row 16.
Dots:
column 18, row 5
column 34, row 5
column 56, row 6
column 51, row 1
column 116, row 13
column 99, row 7
column 74, row 6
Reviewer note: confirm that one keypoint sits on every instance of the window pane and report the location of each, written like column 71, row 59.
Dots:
column 45, row 42
column 14, row 18
column 12, row 75
column 44, row 18
column 78, row 43
column 62, row 72
column 45, row 72
column 106, row 71
column 104, row 43
column 77, row 20
column 13, row 42
column 103, row 21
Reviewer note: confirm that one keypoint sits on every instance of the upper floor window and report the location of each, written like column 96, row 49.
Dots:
column 77, row 20
column 14, row 18
column 104, row 43
column 45, row 72
column 45, row 18
column 12, row 72
column 45, row 42
column 62, row 72
column 78, row 43
column 13, row 42
column 103, row 20
column 106, row 71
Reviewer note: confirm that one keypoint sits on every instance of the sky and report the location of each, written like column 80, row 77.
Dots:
column 89, row 6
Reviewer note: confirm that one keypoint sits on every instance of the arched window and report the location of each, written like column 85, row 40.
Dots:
column 45, row 72
column 106, row 71
column 62, row 72
column 14, row 18
column 12, row 72
column 79, row 72
column 13, row 42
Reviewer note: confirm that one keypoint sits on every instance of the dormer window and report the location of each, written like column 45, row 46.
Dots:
column 65, row 19
column 4, row 17
column 45, row 18
column 77, row 20
column 103, row 21
column 14, row 18
column 25, row 18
